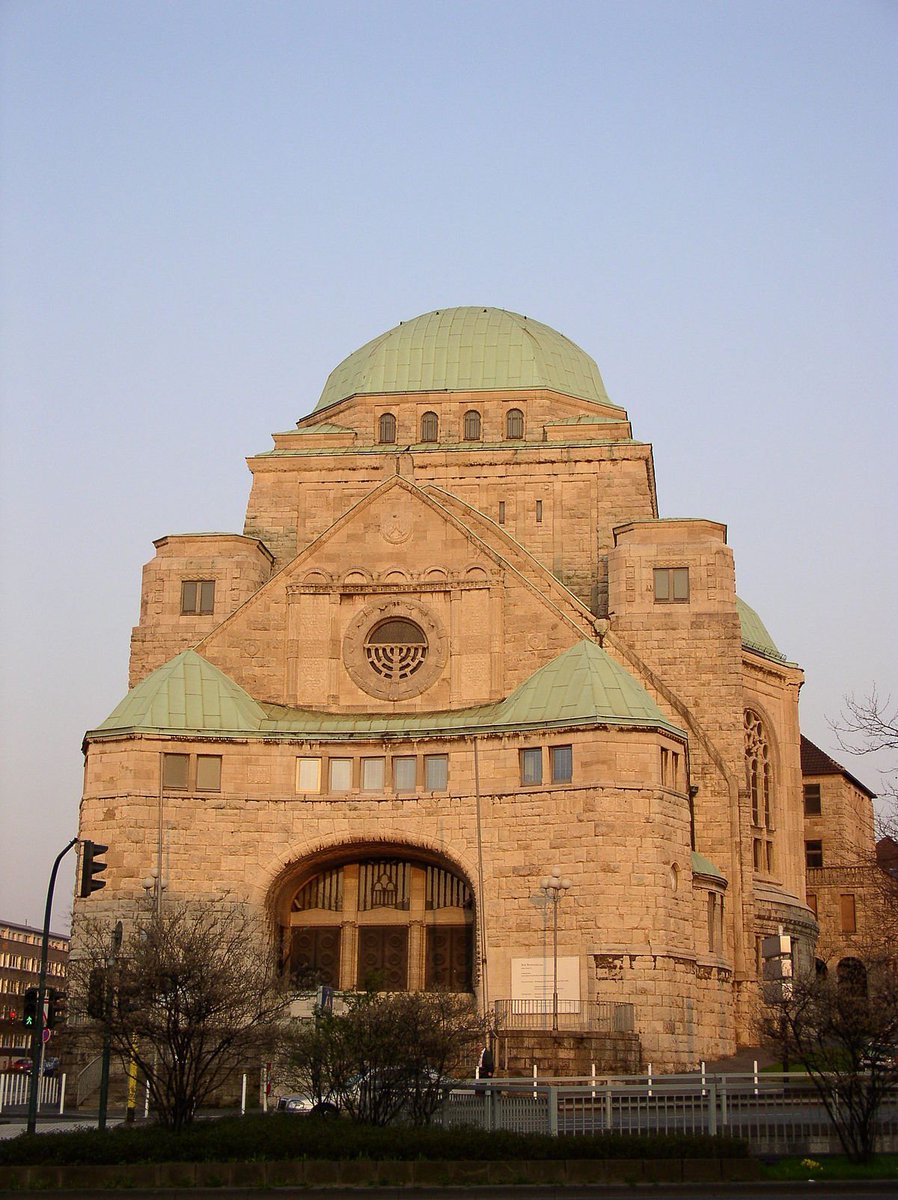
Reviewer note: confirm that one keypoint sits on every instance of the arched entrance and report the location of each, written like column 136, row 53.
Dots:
column 389, row 922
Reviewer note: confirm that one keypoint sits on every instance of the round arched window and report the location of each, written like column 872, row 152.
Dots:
column 430, row 427
column 514, row 424
column 396, row 648
column 387, row 428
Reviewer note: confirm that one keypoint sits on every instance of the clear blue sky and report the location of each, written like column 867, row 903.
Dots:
column 208, row 204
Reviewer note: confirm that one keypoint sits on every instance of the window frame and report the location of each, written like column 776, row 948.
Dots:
column 554, row 753
column 395, row 762
column 386, row 429
column 168, row 760
column 530, row 755
column 808, row 791
column 847, row 904
column 207, row 758
column 203, row 589
column 433, row 758
column 813, row 848
column 472, row 426
column 331, row 764
column 301, row 759
column 668, row 593
column 370, row 762
column 514, row 425
column 431, row 419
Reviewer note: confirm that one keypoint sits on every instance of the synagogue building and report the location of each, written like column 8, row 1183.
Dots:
column 455, row 648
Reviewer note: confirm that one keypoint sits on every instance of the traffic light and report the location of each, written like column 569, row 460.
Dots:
column 29, row 1009
column 96, row 993
column 90, row 867
column 57, row 1005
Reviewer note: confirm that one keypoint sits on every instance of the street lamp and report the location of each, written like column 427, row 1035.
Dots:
column 154, row 885
column 554, row 888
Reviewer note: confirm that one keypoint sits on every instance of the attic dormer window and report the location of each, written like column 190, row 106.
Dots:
column 386, row 428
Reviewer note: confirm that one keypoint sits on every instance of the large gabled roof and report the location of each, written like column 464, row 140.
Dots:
column 815, row 761
column 189, row 695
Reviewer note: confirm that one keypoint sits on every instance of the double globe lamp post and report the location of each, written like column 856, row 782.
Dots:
column 554, row 888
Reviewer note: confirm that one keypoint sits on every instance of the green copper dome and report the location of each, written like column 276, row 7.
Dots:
column 466, row 349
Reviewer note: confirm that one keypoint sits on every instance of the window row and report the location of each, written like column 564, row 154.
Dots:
column 406, row 772
column 532, row 762
column 472, row 426
column 378, row 773
column 191, row 772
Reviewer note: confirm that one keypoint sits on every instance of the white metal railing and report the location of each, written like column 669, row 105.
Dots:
column 775, row 1113
column 15, row 1089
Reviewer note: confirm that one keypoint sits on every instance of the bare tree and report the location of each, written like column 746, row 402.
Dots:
column 869, row 725
column 388, row 1056
column 192, row 996
column 844, row 1032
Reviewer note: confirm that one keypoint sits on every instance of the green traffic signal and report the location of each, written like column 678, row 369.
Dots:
column 29, row 1008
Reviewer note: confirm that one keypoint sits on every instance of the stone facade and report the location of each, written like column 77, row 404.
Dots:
column 455, row 646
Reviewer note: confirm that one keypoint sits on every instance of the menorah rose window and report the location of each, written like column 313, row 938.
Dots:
column 396, row 648
column 388, row 924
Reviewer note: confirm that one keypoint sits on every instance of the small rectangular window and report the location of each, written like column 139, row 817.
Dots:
column 208, row 772
column 813, row 853
column 340, row 774
column 562, row 758
column 436, row 772
column 197, row 596
column 671, row 585
column 531, row 767
column 812, row 902
column 175, row 769
column 812, row 800
column 756, row 854
column 373, row 774
column 670, row 768
column 308, row 774
column 405, row 773
column 848, row 914
column 501, row 512
column 768, row 846
column 539, row 512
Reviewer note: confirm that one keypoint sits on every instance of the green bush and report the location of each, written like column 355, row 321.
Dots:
column 277, row 1137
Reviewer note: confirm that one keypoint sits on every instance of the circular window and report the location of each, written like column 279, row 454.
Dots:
column 396, row 649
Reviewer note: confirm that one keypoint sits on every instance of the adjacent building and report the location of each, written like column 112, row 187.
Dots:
column 20, row 965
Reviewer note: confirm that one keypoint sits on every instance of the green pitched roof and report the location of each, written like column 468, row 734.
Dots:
column 187, row 693
column 583, row 685
column 466, row 349
column 754, row 633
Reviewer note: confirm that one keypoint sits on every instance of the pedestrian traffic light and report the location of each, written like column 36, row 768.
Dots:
column 57, row 1005
column 90, row 867
column 29, row 1009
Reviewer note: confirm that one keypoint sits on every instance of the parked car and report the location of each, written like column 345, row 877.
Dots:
column 302, row 1105
column 22, row 1066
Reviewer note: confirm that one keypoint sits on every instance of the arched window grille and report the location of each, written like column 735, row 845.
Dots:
column 430, row 427
column 759, row 779
column 514, row 424
column 472, row 425
column 387, row 428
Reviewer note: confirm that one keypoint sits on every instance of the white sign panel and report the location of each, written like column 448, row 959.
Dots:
column 532, row 979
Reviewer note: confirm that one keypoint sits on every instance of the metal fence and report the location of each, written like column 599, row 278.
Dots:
column 594, row 1016
column 15, row 1090
column 777, row 1114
